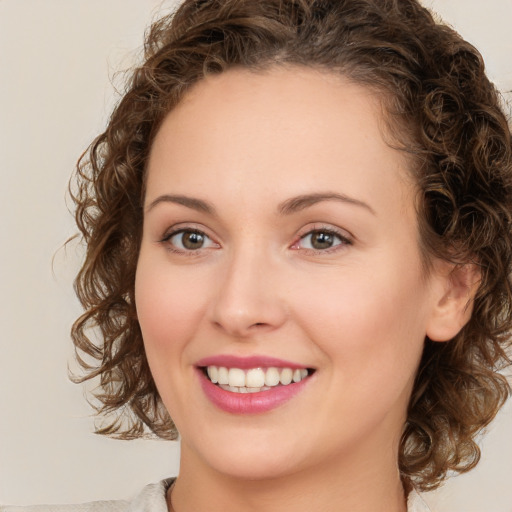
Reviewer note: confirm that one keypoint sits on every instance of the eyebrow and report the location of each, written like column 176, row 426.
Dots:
column 287, row 207
column 189, row 202
column 301, row 202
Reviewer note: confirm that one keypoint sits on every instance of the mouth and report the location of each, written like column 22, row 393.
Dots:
column 254, row 380
column 252, row 384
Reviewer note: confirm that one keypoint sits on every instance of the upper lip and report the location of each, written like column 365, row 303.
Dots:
column 255, row 361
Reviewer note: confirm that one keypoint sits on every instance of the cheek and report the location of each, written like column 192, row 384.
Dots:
column 169, row 307
column 370, row 325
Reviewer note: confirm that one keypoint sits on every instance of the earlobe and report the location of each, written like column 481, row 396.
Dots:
column 454, row 290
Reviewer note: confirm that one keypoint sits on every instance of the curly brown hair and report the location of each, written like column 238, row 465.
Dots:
column 443, row 111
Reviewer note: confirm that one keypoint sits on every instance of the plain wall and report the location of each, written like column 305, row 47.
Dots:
column 57, row 60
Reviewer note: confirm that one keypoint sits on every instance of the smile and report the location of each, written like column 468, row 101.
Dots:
column 252, row 385
column 253, row 380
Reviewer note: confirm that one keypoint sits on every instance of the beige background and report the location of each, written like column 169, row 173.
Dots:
column 57, row 62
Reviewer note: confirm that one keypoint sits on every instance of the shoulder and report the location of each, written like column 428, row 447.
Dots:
column 94, row 506
column 150, row 499
column 415, row 503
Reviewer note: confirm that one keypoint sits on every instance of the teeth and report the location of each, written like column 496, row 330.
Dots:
column 272, row 377
column 286, row 376
column 243, row 389
column 213, row 373
column 253, row 380
column 236, row 377
column 223, row 376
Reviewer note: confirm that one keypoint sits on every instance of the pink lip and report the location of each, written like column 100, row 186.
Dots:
column 250, row 403
column 245, row 363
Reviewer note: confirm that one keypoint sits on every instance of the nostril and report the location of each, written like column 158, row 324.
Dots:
column 259, row 324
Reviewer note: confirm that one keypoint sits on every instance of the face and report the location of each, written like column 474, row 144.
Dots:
column 280, row 243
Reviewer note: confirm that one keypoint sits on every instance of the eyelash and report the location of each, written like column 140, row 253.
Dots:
column 343, row 241
column 183, row 251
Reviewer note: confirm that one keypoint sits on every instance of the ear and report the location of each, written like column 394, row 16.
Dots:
column 454, row 288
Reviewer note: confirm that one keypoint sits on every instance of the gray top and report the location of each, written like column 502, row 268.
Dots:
column 152, row 499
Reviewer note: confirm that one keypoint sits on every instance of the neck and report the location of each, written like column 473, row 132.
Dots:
column 372, row 485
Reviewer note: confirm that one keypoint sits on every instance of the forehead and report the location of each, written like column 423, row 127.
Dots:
column 286, row 130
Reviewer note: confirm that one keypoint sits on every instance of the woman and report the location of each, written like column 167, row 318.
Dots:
column 298, row 248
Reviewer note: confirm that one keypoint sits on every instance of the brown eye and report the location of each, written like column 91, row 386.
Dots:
column 321, row 240
column 189, row 240
column 192, row 240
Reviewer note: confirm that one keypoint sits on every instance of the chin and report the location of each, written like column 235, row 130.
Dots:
column 255, row 468
column 244, row 456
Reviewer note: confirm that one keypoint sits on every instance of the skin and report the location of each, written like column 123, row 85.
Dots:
column 357, row 312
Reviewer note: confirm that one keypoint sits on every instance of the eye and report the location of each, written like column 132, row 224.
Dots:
column 189, row 240
column 321, row 240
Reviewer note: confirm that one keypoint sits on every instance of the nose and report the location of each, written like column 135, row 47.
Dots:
column 247, row 299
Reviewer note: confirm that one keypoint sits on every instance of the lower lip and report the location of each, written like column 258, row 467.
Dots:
column 250, row 403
